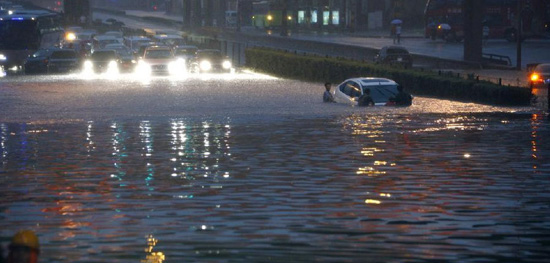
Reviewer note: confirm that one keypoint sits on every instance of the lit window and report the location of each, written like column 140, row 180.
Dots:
column 335, row 17
column 301, row 17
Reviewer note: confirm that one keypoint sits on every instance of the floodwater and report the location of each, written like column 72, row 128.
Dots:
column 256, row 169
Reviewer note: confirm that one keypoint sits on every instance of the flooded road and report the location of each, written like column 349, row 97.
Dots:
column 250, row 168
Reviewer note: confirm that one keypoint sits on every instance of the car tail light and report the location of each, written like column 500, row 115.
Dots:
column 535, row 77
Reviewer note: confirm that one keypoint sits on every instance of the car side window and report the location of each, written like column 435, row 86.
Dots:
column 351, row 89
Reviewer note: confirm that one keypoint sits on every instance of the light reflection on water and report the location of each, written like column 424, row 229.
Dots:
column 443, row 187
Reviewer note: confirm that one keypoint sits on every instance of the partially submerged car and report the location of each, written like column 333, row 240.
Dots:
column 211, row 60
column 63, row 61
column 187, row 53
column 127, row 60
column 382, row 90
column 394, row 55
column 539, row 75
column 38, row 61
column 160, row 60
column 102, row 61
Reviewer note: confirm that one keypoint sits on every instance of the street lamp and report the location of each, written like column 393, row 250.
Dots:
column 284, row 21
column 518, row 36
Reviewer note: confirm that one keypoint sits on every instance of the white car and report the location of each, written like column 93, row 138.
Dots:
column 381, row 90
column 134, row 42
column 169, row 40
column 160, row 60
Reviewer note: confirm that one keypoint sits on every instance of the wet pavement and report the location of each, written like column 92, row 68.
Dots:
column 249, row 168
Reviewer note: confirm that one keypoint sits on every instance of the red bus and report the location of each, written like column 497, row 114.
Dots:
column 444, row 19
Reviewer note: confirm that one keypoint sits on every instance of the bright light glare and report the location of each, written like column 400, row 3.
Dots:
column 206, row 65
column 70, row 36
column 226, row 64
column 3, row 57
column 177, row 67
column 269, row 17
column 88, row 68
column 143, row 69
column 112, row 69
column 535, row 77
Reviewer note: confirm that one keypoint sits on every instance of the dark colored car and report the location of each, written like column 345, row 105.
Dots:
column 394, row 55
column 127, row 60
column 38, row 62
column 188, row 53
column 63, row 60
column 539, row 75
column 103, row 61
column 211, row 60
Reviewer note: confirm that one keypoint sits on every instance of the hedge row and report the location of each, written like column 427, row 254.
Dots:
column 321, row 69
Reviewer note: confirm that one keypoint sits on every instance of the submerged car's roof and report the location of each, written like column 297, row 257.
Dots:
column 369, row 81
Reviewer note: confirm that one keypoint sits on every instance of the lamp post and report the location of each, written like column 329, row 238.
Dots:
column 518, row 35
column 284, row 21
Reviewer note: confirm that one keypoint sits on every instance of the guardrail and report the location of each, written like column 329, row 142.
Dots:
column 497, row 59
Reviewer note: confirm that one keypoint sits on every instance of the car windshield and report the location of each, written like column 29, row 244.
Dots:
column 381, row 93
column 210, row 54
column 40, row 53
column 63, row 54
column 186, row 51
column 160, row 53
column 396, row 51
column 104, row 55
column 122, row 50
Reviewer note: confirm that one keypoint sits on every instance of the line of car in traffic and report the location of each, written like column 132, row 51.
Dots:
column 82, row 50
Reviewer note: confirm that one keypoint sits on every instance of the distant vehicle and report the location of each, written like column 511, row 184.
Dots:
column 142, row 46
column 117, row 34
column 381, row 90
column 188, row 53
column 160, row 60
column 211, row 60
column 102, row 61
column 127, row 60
column 23, row 32
column 500, row 18
column 269, row 15
column 38, row 61
column 100, row 41
column 394, row 55
column 540, row 75
column 134, row 42
column 169, row 40
column 63, row 61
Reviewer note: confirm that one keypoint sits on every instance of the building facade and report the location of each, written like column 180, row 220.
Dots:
column 301, row 14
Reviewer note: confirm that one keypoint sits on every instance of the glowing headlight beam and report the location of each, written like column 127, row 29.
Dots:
column 226, row 64
column 177, row 67
column 205, row 65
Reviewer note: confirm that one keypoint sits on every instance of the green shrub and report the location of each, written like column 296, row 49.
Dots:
column 321, row 69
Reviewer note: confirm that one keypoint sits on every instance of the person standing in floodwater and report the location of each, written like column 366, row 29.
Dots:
column 365, row 99
column 398, row 33
column 327, row 96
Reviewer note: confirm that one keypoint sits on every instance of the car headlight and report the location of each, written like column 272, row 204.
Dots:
column 143, row 69
column 226, row 64
column 113, row 65
column 205, row 65
column 176, row 67
column 3, row 57
column 88, row 65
